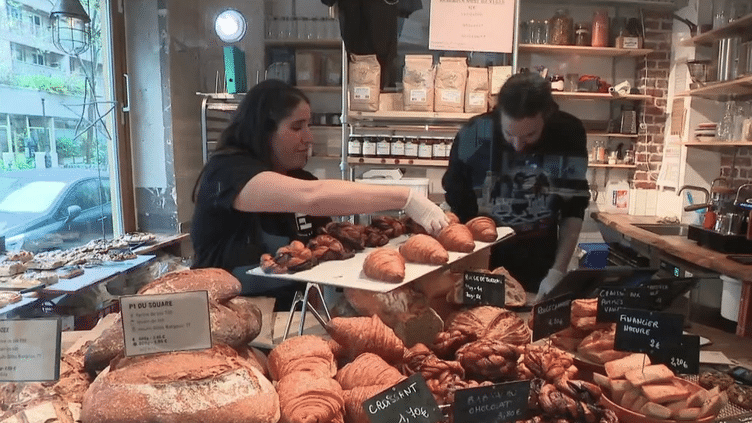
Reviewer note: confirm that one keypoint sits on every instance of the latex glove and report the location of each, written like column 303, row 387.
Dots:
column 424, row 212
column 552, row 279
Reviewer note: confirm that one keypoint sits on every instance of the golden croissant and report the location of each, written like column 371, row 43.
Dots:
column 457, row 237
column 385, row 265
column 483, row 229
column 366, row 334
column 305, row 398
column 424, row 249
column 366, row 370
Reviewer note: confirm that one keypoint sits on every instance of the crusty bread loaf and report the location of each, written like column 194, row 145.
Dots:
column 235, row 323
column 220, row 283
column 189, row 386
column 302, row 353
column 105, row 347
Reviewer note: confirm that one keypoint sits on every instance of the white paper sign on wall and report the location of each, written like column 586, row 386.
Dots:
column 472, row 25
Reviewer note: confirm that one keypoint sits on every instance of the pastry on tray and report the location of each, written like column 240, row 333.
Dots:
column 385, row 264
column 424, row 249
column 457, row 237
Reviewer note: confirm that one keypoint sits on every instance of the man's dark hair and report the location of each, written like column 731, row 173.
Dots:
column 525, row 95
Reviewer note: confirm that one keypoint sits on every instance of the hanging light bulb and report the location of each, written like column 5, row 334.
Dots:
column 70, row 27
column 230, row 26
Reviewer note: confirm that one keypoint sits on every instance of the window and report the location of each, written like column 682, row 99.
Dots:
column 53, row 156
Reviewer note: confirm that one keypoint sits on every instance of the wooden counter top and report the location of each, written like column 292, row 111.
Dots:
column 685, row 249
column 678, row 246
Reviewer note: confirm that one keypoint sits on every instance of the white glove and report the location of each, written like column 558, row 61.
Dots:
column 424, row 212
column 548, row 283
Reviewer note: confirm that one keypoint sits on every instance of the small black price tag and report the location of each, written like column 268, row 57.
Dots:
column 649, row 332
column 551, row 316
column 683, row 359
column 612, row 300
column 741, row 418
column 658, row 294
column 409, row 401
column 483, row 289
column 502, row 402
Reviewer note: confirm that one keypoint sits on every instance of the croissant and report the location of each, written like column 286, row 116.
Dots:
column 385, row 265
column 453, row 218
column 424, row 249
column 366, row 334
column 366, row 370
column 354, row 399
column 304, row 398
column 457, row 237
column 302, row 353
column 483, row 229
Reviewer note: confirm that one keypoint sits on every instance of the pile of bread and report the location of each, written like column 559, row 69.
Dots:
column 98, row 384
column 653, row 390
column 340, row 240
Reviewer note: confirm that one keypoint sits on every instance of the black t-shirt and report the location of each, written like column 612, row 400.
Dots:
column 529, row 192
column 227, row 238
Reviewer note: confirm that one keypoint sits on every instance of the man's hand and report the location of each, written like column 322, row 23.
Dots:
column 552, row 279
column 424, row 212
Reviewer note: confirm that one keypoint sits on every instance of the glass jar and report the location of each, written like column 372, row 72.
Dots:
column 425, row 149
column 447, row 147
column 538, row 31
column 600, row 26
column 437, row 149
column 411, row 148
column 369, row 147
column 383, row 147
column 560, row 28
column 398, row 147
column 557, row 83
column 582, row 34
column 354, row 147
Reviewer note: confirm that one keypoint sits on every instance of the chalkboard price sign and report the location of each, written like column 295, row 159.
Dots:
column 483, row 289
column 551, row 316
column 612, row 300
column 649, row 332
column 409, row 401
column 683, row 359
column 502, row 402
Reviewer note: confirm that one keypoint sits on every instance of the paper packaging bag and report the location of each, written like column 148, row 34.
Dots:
column 307, row 68
column 364, row 83
column 497, row 76
column 476, row 90
column 391, row 102
column 332, row 69
column 417, row 83
column 451, row 77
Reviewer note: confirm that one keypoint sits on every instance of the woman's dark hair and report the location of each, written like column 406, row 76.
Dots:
column 525, row 95
column 256, row 119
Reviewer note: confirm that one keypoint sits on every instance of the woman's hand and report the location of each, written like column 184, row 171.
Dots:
column 425, row 213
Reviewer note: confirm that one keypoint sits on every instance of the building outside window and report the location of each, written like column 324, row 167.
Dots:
column 56, row 137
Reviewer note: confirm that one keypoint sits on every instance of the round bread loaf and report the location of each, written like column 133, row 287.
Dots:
column 214, row 385
column 220, row 283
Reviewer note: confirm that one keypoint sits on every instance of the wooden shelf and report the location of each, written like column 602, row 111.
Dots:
column 738, row 27
column 403, row 116
column 717, row 145
column 320, row 89
column 611, row 135
column 397, row 162
column 739, row 87
column 611, row 166
column 576, row 95
column 296, row 43
column 584, row 51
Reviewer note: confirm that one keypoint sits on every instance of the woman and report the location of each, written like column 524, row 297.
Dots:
column 253, row 195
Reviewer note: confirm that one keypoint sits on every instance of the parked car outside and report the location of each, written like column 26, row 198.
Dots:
column 46, row 209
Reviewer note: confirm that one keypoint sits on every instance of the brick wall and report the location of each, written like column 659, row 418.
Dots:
column 652, row 75
column 737, row 167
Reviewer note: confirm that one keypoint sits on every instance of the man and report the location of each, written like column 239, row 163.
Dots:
column 524, row 165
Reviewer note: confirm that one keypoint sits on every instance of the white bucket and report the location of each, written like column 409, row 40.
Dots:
column 730, row 298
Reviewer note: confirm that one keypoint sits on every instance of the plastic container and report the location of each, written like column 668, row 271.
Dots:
column 617, row 196
column 596, row 255
column 730, row 298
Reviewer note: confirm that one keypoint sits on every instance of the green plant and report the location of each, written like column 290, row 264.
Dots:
column 67, row 147
column 50, row 84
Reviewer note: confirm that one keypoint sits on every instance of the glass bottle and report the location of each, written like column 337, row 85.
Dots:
column 438, row 149
column 425, row 149
column 398, row 147
column 600, row 26
column 383, row 147
column 369, row 147
column 726, row 127
column 354, row 147
column 411, row 148
column 582, row 34
column 560, row 28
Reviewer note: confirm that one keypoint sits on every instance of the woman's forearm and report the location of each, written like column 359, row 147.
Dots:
column 272, row 192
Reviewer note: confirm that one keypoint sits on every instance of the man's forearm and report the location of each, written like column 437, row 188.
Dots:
column 569, row 234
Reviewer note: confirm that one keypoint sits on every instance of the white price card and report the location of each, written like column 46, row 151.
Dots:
column 166, row 322
column 30, row 350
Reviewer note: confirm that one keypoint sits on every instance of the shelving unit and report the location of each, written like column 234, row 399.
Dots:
column 718, row 145
column 611, row 166
column 397, row 162
column 739, row 87
column 583, row 51
column 737, row 27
